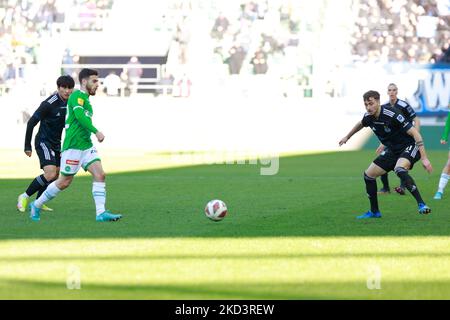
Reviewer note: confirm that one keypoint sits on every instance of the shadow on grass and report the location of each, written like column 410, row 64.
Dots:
column 23, row 289
column 246, row 256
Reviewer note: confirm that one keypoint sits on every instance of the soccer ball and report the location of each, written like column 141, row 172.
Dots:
column 216, row 210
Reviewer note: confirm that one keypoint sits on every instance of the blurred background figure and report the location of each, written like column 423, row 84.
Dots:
column 134, row 73
column 259, row 62
column 220, row 27
column 113, row 84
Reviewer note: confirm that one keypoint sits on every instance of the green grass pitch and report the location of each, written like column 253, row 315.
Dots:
column 289, row 236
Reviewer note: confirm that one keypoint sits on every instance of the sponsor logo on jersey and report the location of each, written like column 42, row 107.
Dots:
column 80, row 101
column 72, row 162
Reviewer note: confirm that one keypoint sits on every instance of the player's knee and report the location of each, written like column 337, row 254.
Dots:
column 51, row 175
column 64, row 183
column 100, row 177
column 368, row 177
column 447, row 165
column 400, row 170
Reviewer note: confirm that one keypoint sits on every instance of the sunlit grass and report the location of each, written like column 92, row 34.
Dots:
column 285, row 268
column 289, row 236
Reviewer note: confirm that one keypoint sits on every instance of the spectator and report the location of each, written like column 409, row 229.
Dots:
column 408, row 31
column 235, row 59
column 259, row 62
column 134, row 73
column 220, row 27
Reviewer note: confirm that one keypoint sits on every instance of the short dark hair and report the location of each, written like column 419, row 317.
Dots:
column 65, row 82
column 86, row 73
column 371, row 94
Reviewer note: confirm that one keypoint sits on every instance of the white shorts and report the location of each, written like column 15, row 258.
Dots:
column 72, row 160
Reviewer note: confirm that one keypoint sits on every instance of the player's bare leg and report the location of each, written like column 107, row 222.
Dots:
column 51, row 192
column 445, row 176
column 99, row 193
column 51, row 173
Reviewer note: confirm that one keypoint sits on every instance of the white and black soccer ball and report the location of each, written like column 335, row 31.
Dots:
column 216, row 210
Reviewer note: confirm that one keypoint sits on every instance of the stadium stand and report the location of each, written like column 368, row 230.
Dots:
column 415, row 31
column 282, row 39
column 28, row 27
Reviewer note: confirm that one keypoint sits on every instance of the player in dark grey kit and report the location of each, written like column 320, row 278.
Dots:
column 52, row 115
column 408, row 112
column 404, row 147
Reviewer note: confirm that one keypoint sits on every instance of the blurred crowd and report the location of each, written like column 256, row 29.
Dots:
column 90, row 14
column 415, row 31
column 24, row 22
column 256, row 35
column 275, row 37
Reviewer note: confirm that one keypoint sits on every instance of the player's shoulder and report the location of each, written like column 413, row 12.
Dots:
column 74, row 94
column 367, row 116
column 77, row 98
column 389, row 111
column 367, row 119
column 402, row 103
column 52, row 99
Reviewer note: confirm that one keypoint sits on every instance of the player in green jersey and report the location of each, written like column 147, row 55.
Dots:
column 445, row 175
column 78, row 150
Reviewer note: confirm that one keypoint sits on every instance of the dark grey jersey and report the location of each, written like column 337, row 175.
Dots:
column 390, row 128
column 407, row 111
column 52, row 116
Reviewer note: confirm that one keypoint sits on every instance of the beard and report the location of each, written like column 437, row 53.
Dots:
column 91, row 91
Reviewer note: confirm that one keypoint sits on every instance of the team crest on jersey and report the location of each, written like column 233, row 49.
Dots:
column 400, row 118
column 387, row 129
column 80, row 101
column 72, row 162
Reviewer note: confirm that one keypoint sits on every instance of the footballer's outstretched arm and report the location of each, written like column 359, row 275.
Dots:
column 354, row 130
column 413, row 132
column 417, row 123
column 380, row 149
column 40, row 113
column 32, row 122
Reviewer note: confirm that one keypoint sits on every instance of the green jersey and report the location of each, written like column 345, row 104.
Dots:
column 447, row 128
column 78, row 122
